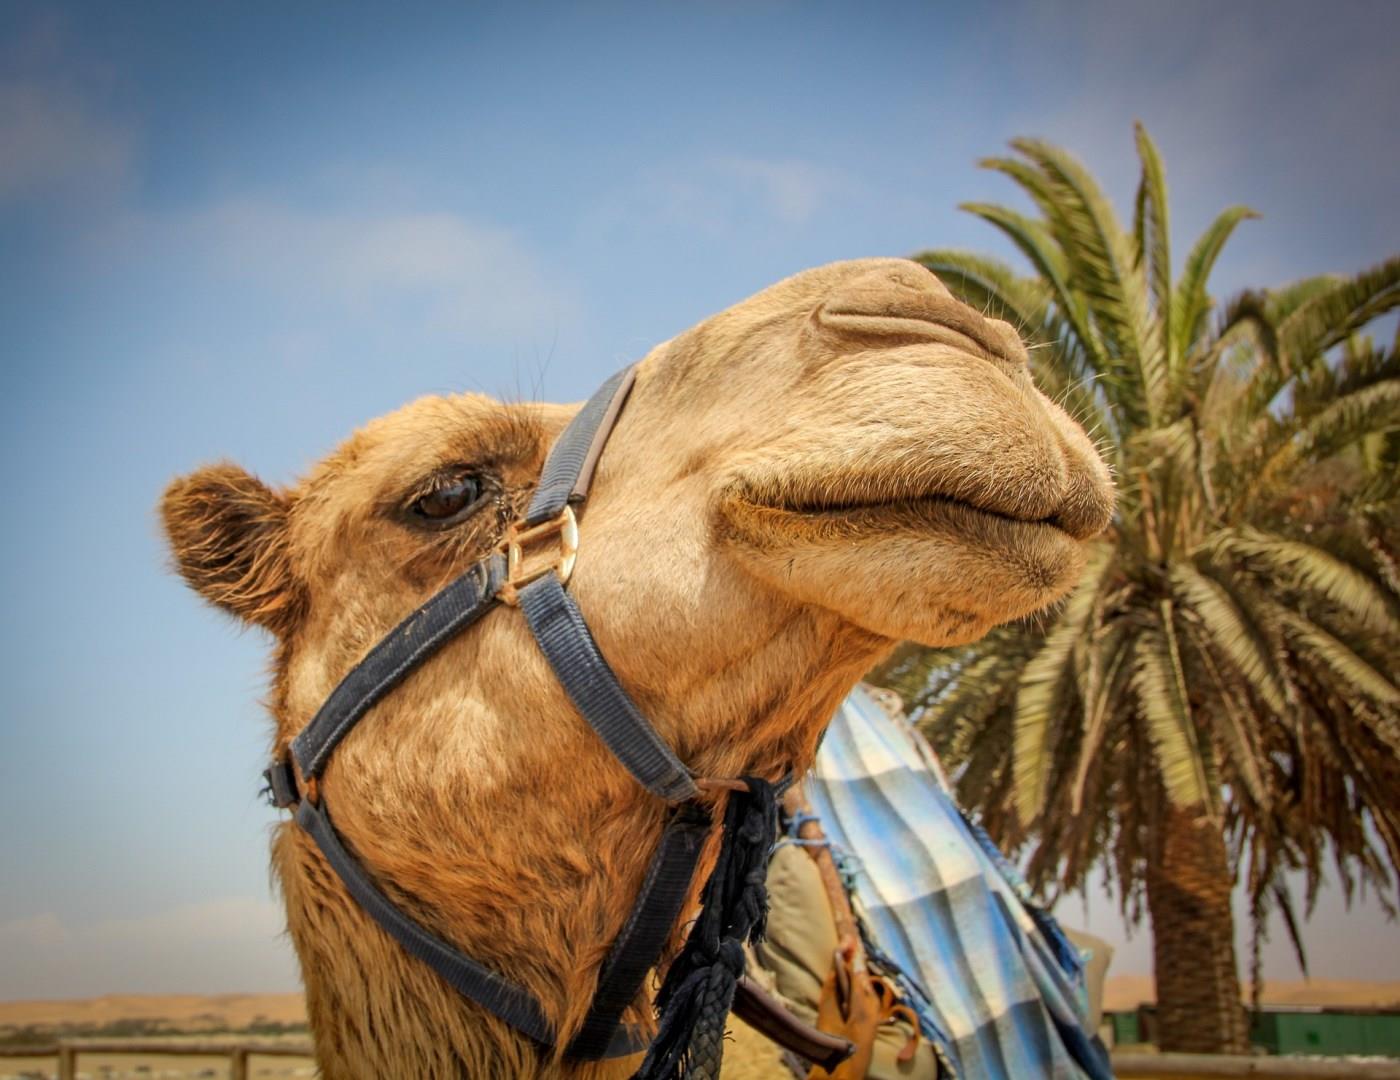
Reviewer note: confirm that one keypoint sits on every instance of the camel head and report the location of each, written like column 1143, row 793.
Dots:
column 849, row 458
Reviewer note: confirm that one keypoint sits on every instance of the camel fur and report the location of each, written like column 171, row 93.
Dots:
column 849, row 458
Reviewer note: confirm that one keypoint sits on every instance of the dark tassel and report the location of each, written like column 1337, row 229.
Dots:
column 695, row 999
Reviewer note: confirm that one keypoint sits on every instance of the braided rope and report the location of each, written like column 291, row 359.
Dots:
column 695, row 999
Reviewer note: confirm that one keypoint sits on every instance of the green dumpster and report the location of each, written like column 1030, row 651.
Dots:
column 1370, row 1032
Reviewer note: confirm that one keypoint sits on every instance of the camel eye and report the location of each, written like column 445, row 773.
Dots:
column 448, row 499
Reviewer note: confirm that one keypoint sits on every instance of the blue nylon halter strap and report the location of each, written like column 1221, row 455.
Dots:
column 395, row 657
column 563, row 637
column 593, row 686
column 590, row 683
column 567, row 474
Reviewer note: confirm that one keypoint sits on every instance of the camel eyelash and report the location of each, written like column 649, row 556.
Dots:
column 447, row 497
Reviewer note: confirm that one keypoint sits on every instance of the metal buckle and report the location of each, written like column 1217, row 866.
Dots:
column 565, row 526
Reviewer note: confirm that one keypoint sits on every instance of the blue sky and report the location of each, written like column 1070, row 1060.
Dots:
column 242, row 230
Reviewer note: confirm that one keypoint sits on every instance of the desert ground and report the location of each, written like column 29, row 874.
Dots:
column 174, row 1018
column 186, row 1017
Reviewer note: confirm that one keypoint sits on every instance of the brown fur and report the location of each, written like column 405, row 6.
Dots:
column 848, row 458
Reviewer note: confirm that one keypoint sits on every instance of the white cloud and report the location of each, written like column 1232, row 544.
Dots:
column 448, row 276
column 721, row 193
column 229, row 944
column 793, row 190
column 453, row 278
column 52, row 142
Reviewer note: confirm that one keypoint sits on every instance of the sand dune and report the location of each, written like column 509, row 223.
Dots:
column 1129, row 991
column 179, row 1011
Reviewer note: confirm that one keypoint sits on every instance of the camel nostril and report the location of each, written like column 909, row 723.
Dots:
column 906, row 303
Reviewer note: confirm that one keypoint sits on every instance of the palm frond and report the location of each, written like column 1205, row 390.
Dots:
column 1311, row 569
column 1347, row 664
column 1040, row 688
column 1192, row 303
column 1229, row 631
column 1037, row 245
column 1101, row 691
column 973, row 693
column 1240, row 731
column 1101, row 264
column 1332, row 315
column 1284, row 300
column 1162, row 705
column 1153, row 235
column 1346, row 421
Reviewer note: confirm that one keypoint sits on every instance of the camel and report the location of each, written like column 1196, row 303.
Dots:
column 849, row 458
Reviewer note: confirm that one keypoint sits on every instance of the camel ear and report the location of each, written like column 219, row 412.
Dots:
column 229, row 534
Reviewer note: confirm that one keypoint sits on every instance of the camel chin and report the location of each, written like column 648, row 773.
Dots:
column 931, row 570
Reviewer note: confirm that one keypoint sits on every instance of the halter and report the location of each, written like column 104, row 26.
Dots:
column 515, row 575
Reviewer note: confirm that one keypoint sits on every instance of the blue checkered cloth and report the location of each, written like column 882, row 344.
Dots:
column 994, row 981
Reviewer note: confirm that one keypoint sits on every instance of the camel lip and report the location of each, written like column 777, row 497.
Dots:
column 896, row 505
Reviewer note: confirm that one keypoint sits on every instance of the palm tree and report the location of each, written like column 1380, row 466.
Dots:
column 1219, row 695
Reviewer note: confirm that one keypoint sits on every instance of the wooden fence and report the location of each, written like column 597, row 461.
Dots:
column 236, row 1051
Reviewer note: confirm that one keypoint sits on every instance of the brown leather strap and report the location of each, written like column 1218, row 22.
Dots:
column 847, row 934
column 767, row 1015
column 850, row 1005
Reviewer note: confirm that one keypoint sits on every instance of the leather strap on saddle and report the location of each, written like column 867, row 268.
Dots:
column 771, row 1018
column 854, row 1002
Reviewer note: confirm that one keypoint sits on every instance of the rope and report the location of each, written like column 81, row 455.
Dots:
column 695, row 999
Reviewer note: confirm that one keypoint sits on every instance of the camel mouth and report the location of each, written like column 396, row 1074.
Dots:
column 989, row 491
column 911, row 512
column 956, row 567
column 904, row 505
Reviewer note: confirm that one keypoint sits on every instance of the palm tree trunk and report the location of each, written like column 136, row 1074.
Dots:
column 1193, row 939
